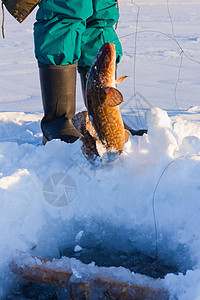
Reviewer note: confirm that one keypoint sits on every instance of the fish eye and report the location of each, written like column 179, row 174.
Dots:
column 107, row 58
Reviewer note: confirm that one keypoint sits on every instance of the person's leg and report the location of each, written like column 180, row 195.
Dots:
column 57, row 37
column 58, row 30
column 99, row 30
column 58, row 96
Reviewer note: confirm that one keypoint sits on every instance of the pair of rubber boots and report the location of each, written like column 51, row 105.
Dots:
column 58, row 88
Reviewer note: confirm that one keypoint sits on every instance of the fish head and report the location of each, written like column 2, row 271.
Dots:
column 104, row 65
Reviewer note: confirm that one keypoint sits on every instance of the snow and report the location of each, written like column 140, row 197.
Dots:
column 153, row 184
column 77, row 248
column 89, row 271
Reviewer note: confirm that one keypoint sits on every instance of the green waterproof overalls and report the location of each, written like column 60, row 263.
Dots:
column 69, row 31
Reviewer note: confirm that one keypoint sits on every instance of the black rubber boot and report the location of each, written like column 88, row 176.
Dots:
column 83, row 76
column 58, row 88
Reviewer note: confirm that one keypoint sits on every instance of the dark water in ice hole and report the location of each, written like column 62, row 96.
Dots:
column 135, row 261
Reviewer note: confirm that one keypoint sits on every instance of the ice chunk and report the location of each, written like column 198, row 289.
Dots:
column 77, row 248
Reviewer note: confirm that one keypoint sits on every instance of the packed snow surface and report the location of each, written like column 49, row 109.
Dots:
column 149, row 199
column 52, row 198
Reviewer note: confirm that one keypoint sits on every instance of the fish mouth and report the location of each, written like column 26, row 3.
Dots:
column 108, row 52
column 105, row 63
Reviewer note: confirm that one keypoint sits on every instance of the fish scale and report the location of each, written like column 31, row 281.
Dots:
column 110, row 130
column 104, row 127
column 106, row 120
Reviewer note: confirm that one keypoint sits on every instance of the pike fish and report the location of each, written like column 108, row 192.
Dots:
column 101, row 126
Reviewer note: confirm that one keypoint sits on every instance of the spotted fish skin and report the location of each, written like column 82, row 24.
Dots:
column 105, row 118
column 101, row 126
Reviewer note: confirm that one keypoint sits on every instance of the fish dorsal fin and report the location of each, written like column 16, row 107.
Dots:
column 126, row 135
column 120, row 79
column 113, row 97
column 79, row 122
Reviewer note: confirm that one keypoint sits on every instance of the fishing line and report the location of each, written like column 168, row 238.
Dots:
column 177, row 83
column 170, row 17
column 134, row 60
column 153, row 209
column 181, row 60
column 135, row 44
column 172, row 37
column 134, row 64
column 153, row 198
column 182, row 55
column 162, row 33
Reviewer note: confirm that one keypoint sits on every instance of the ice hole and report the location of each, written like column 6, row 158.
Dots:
column 131, row 249
column 109, row 245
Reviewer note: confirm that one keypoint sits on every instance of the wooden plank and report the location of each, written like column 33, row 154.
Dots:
column 49, row 272
column 42, row 273
column 101, row 288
